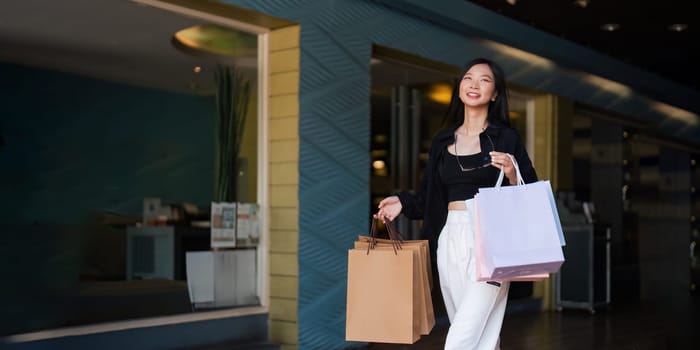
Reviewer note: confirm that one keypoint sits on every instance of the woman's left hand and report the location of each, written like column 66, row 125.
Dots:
column 502, row 161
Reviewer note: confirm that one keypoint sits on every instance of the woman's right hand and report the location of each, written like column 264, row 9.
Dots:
column 389, row 209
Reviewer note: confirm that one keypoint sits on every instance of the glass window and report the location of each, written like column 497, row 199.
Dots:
column 109, row 161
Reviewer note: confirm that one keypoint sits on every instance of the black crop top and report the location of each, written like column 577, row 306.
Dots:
column 462, row 185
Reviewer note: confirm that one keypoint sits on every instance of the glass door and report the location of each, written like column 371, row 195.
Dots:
column 408, row 104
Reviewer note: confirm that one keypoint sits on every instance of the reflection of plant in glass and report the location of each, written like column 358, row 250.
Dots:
column 232, row 96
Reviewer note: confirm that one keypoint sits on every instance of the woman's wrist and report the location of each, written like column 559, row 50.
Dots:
column 512, row 178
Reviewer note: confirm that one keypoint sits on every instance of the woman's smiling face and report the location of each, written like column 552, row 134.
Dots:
column 478, row 86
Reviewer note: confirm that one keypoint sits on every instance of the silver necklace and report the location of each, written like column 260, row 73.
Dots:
column 479, row 167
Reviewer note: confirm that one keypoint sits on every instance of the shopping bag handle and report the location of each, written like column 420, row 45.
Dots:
column 394, row 233
column 394, row 236
column 501, row 175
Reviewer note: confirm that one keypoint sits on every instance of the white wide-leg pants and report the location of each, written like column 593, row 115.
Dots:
column 475, row 309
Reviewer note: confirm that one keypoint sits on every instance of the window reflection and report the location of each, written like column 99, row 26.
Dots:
column 107, row 171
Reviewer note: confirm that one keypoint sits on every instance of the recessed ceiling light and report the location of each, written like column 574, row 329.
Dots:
column 512, row 2
column 582, row 3
column 610, row 27
column 678, row 27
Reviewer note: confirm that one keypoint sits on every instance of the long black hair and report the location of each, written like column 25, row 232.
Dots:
column 498, row 109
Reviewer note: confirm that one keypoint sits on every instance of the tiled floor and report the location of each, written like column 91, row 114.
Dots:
column 627, row 327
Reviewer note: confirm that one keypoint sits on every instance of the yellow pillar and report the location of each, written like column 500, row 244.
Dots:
column 552, row 160
column 284, row 185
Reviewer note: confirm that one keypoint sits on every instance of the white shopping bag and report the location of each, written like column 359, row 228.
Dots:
column 518, row 232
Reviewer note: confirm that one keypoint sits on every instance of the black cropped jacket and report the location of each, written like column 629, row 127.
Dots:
column 430, row 201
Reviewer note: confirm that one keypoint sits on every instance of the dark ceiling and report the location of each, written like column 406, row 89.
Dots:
column 643, row 38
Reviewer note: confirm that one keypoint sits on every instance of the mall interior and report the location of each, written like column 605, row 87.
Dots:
column 191, row 174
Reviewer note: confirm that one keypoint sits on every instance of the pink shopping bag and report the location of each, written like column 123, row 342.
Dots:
column 480, row 267
column 517, row 231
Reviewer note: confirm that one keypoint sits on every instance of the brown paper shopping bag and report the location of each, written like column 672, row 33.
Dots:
column 380, row 294
column 422, row 300
column 421, row 242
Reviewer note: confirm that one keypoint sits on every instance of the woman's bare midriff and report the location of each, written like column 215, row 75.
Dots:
column 457, row 205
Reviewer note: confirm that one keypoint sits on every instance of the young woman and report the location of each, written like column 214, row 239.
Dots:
column 464, row 157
